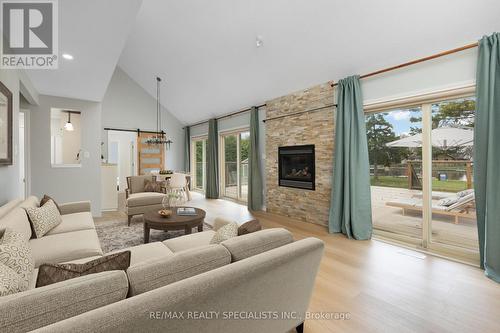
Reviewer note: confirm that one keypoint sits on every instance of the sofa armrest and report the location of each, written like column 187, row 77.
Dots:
column 39, row 307
column 74, row 207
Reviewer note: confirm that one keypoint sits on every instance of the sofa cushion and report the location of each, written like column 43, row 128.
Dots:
column 17, row 220
column 30, row 202
column 43, row 306
column 73, row 222
column 67, row 246
column 145, row 252
column 9, row 206
column 160, row 272
column 44, row 218
column 53, row 273
column 145, row 199
column 16, row 254
column 136, row 183
column 248, row 245
column 190, row 241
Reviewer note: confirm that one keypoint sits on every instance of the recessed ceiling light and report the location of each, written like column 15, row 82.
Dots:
column 259, row 41
column 67, row 56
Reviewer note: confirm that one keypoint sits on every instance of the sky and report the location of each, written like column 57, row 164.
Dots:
column 400, row 121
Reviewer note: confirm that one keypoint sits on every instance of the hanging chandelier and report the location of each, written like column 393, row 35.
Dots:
column 159, row 138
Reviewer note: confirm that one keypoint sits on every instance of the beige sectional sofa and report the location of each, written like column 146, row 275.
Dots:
column 168, row 285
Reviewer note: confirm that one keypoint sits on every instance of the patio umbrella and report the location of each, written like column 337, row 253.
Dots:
column 442, row 137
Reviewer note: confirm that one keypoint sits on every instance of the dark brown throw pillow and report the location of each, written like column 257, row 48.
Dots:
column 152, row 186
column 45, row 199
column 53, row 273
column 249, row 227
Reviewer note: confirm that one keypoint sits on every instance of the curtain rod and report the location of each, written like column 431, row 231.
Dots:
column 136, row 130
column 226, row 115
column 300, row 112
column 413, row 62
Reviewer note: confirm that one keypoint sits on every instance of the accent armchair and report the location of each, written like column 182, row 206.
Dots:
column 138, row 200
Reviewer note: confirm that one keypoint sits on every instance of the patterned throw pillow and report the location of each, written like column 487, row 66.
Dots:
column 152, row 186
column 16, row 254
column 229, row 230
column 53, row 273
column 46, row 199
column 44, row 218
column 9, row 281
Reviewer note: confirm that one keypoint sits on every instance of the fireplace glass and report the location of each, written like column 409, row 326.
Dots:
column 296, row 167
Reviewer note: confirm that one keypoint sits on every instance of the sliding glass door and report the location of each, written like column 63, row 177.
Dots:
column 198, row 163
column 234, row 164
column 421, row 176
column 453, row 207
column 395, row 171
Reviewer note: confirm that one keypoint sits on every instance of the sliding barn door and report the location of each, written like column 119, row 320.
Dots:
column 151, row 157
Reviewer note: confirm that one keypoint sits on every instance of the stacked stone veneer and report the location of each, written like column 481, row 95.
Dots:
column 315, row 128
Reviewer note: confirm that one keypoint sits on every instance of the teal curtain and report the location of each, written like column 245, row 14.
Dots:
column 212, row 167
column 187, row 149
column 487, row 154
column 254, row 174
column 350, row 207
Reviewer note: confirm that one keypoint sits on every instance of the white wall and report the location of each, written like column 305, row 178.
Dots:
column 127, row 105
column 16, row 81
column 67, row 184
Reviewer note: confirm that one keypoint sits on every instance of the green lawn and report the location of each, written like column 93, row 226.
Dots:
column 402, row 182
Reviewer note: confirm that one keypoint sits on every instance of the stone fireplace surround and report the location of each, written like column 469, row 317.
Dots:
column 310, row 128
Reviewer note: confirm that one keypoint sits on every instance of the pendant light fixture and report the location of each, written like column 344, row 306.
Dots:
column 69, row 126
column 159, row 138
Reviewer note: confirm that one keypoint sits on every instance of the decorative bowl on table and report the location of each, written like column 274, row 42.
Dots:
column 165, row 212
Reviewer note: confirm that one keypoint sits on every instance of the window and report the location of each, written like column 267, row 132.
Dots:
column 198, row 163
column 421, row 175
column 234, row 164
column 65, row 137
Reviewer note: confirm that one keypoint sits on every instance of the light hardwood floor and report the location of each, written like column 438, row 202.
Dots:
column 383, row 287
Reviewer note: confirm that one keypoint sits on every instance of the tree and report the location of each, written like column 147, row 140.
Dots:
column 379, row 132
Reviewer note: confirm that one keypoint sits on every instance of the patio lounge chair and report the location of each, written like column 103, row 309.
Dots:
column 460, row 208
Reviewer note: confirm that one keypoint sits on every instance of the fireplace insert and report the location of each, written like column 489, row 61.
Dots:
column 296, row 167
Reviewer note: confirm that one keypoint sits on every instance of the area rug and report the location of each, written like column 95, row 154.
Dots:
column 114, row 234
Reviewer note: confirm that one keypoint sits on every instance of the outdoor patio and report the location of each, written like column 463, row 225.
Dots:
column 444, row 230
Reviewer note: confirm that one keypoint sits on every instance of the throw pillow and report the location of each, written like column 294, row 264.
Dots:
column 44, row 218
column 9, row 281
column 229, row 230
column 53, row 273
column 46, row 198
column 16, row 254
column 152, row 186
column 249, row 227
column 448, row 201
column 219, row 222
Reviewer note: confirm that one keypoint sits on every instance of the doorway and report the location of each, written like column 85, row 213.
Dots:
column 122, row 152
column 23, row 152
column 234, row 164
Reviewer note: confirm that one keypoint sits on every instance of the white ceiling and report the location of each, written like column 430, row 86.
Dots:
column 94, row 32
column 205, row 50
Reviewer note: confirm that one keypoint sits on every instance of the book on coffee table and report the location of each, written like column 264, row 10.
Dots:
column 186, row 211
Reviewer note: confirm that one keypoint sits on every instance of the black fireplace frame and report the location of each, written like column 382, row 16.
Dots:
column 297, row 183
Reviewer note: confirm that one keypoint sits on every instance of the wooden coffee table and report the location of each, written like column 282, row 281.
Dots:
column 153, row 220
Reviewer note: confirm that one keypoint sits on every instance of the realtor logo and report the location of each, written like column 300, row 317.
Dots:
column 29, row 38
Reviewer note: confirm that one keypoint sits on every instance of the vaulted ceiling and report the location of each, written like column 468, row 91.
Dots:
column 207, row 55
